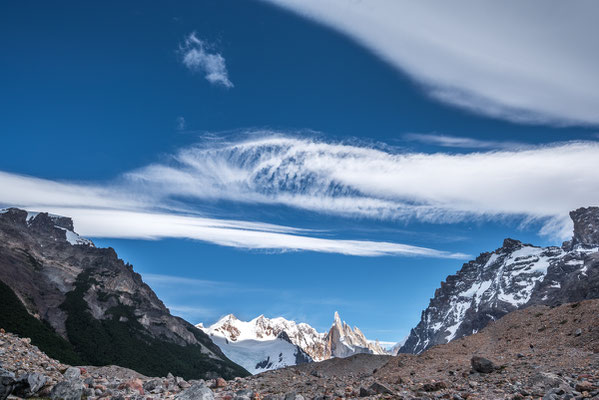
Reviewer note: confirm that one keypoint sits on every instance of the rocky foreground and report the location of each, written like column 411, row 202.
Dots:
column 537, row 353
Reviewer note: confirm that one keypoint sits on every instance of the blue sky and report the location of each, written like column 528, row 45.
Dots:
column 368, row 173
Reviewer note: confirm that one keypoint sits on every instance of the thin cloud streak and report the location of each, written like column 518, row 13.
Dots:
column 191, row 312
column 95, row 214
column 504, row 59
column 462, row 142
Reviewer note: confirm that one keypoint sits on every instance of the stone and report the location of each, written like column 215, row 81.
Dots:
column 220, row 382
column 584, row 386
column 545, row 380
column 364, row 392
column 434, row 386
column 293, row 396
column 72, row 373
column 196, row 392
column 379, row 388
column 29, row 384
column 578, row 332
column 133, row 385
column 7, row 383
column 245, row 393
column 67, row 390
column 482, row 365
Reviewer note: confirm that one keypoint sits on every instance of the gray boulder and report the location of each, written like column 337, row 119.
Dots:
column 67, row 390
column 7, row 383
column 379, row 388
column 72, row 373
column 197, row 391
column 482, row 365
column 293, row 396
column 29, row 384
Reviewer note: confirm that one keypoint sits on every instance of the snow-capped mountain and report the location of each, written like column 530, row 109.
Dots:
column 343, row 341
column 514, row 276
column 263, row 344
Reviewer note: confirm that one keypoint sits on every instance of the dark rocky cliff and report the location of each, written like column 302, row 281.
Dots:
column 95, row 303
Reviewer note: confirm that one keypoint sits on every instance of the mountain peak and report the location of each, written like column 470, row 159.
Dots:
column 586, row 226
column 337, row 319
column 511, row 244
column 228, row 318
column 43, row 224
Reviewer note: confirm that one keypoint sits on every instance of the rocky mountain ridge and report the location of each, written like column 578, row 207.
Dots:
column 256, row 344
column 99, row 310
column 514, row 276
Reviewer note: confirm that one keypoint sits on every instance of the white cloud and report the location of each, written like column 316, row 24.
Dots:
column 532, row 61
column 351, row 180
column 99, row 213
column 192, row 312
column 197, row 58
column 462, row 142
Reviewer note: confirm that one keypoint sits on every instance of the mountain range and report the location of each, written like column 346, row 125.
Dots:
column 84, row 305
column 262, row 344
column 512, row 277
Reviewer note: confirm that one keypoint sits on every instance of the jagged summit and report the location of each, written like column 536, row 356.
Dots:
column 343, row 341
column 51, row 225
column 514, row 276
column 586, row 227
column 336, row 318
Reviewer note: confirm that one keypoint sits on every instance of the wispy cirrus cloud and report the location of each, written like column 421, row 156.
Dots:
column 504, row 59
column 352, row 180
column 463, row 142
column 347, row 180
column 195, row 55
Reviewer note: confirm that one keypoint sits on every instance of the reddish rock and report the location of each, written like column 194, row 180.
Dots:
column 133, row 384
column 585, row 386
column 220, row 383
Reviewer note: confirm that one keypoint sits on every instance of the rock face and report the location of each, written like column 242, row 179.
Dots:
column 515, row 276
column 343, row 341
column 263, row 344
column 98, row 307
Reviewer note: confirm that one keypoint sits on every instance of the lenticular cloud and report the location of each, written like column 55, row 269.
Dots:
column 526, row 61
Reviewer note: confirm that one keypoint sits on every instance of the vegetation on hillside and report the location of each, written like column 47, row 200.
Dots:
column 121, row 340
column 15, row 318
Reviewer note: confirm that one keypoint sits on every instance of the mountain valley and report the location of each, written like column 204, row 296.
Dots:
column 517, row 323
